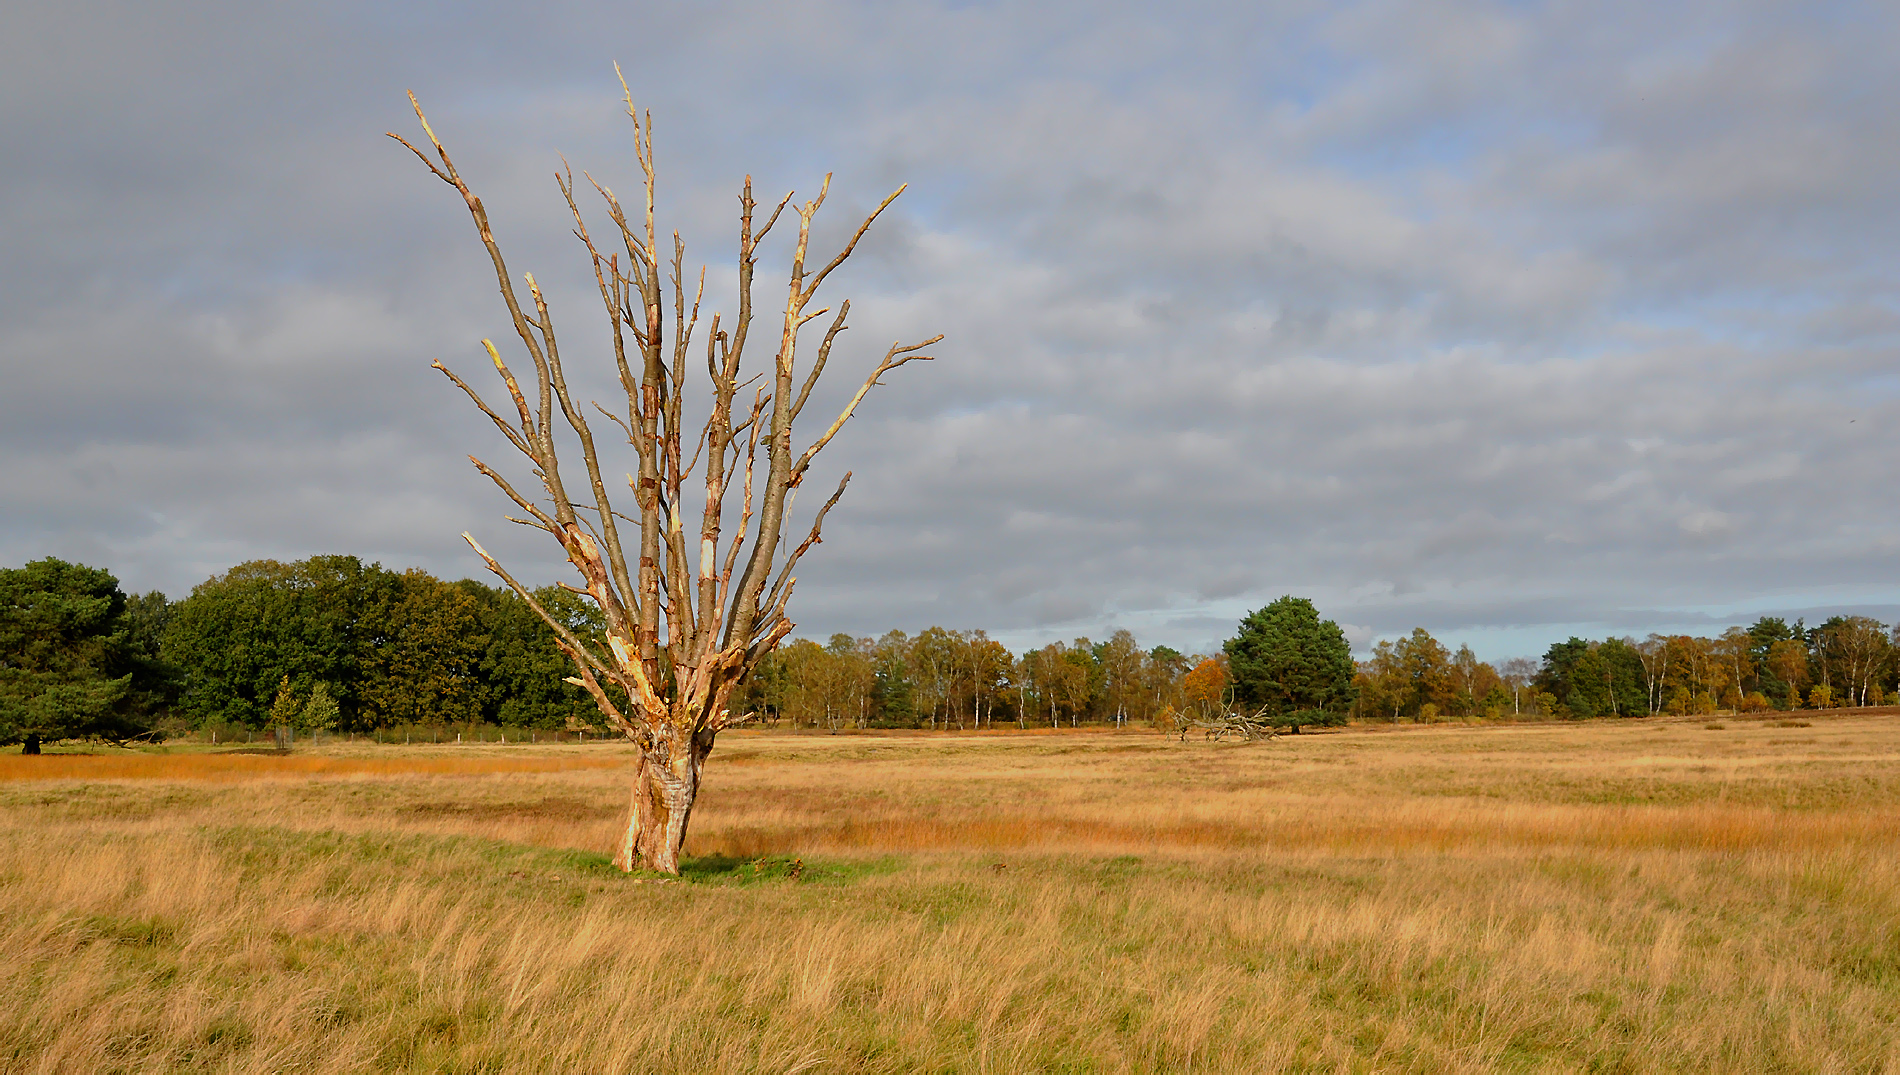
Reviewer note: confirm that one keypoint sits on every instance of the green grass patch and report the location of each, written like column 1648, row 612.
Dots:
column 731, row 870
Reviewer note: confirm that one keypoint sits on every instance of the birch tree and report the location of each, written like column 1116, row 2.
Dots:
column 1121, row 665
column 992, row 665
column 685, row 620
column 1855, row 649
column 1654, row 653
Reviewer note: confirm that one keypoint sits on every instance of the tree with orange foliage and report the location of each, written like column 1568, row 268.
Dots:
column 1205, row 687
column 1788, row 660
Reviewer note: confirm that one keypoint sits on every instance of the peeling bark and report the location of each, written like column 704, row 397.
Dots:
column 665, row 787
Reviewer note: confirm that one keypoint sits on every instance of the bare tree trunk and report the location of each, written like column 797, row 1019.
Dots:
column 665, row 787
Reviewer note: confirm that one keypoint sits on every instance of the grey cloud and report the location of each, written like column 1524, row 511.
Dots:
column 1484, row 318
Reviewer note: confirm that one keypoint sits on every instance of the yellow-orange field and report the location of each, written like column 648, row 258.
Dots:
column 233, row 766
column 1643, row 896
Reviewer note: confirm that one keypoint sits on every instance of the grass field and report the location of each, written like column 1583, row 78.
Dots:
column 1634, row 896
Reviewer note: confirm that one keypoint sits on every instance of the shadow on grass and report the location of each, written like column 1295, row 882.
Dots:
column 734, row 871
column 274, row 849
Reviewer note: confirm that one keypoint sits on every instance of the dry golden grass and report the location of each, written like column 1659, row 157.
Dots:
column 232, row 766
column 1641, row 897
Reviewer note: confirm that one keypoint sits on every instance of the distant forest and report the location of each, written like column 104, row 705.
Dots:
column 334, row 643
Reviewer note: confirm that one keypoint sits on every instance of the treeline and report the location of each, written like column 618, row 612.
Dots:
column 963, row 679
column 1772, row 665
column 1284, row 661
column 388, row 648
column 334, row 643
column 952, row 679
column 324, row 643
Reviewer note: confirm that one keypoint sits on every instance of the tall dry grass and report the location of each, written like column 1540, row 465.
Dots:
column 236, row 766
column 1615, row 898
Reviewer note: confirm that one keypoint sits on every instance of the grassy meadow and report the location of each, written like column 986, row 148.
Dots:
column 1634, row 896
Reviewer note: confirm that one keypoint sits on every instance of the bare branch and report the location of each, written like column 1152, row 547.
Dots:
column 895, row 357
column 541, row 518
column 745, row 517
column 776, row 601
column 819, row 277
column 699, row 448
column 612, row 601
column 818, row 362
column 773, row 219
column 615, row 419
column 507, row 430
column 581, row 654
column 602, row 702
column 523, row 326
column 528, row 426
column 421, row 156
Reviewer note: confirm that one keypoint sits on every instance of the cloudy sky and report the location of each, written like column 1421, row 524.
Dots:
column 1509, row 320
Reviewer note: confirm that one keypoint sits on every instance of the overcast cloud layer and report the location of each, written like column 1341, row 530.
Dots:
column 1506, row 320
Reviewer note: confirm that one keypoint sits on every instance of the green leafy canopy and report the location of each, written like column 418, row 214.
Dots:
column 1287, row 659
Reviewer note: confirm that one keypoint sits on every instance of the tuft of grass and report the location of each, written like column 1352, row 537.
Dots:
column 136, row 933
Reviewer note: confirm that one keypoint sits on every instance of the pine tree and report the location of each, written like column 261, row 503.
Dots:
column 1288, row 660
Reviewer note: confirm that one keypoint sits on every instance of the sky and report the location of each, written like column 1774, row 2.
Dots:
column 1507, row 320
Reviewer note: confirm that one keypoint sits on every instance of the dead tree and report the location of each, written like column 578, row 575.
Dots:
column 685, row 621
column 1218, row 726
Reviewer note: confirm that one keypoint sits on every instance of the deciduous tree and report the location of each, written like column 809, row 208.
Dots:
column 991, row 670
column 1205, row 688
column 1853, row 654
column 320, row 711
column 426, row 666
column 1425, row 665
column 1788, row 661
column 240, row 633
column 1161, row 680
column 1517, row 674
column 523, row 666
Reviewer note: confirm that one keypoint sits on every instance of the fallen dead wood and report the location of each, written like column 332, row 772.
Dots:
column 1219, row 726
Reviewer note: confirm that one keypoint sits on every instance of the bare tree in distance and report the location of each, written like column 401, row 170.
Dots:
column 685, row 621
